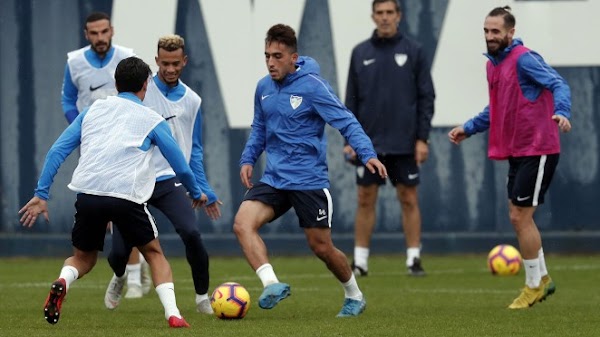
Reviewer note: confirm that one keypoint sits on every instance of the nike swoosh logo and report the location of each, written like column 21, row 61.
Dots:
column 368, row 62
column 413, row 176
column 98, row 87
column 319, row 218
column 263, row 97
column 177, row 184
column 523, row 199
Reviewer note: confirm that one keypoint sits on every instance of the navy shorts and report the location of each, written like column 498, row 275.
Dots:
column 401, row 169
column 93, row 212
column 529, row 178
column 314, row 208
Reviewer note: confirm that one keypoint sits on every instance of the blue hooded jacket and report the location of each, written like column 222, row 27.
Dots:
column 289, row 125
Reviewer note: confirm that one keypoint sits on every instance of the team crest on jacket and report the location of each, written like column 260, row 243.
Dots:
column 295, row 101
column 400, row 59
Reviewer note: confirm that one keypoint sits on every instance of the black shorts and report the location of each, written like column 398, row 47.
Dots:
column 401, row 169
column 314, row 208
column 93, row 212
column 529, row 178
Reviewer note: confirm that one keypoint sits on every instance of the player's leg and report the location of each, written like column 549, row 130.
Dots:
column 262, row 203
column 528, row 180
column 117, row 259
column 134, row 275
column 364, row 222
column 315, row 209
column 87, row 236
column 138, row 228
column 171, row 199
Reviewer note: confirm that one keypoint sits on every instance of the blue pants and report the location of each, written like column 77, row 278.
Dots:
column 170, row 197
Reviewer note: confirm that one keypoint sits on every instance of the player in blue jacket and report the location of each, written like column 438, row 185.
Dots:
column 291, row 107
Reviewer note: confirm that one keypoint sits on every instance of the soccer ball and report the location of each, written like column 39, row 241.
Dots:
column 230, row 300
column 504, row 260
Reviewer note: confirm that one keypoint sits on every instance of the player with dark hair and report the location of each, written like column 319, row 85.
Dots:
column 529, row 103
column 391, row 93
column 291, row 107
column 113, row 179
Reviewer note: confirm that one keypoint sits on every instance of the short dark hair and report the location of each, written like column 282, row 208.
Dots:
column 504, row 12
column 131, row 73
column 376, row 2
column 282, row 34
column 96, row 16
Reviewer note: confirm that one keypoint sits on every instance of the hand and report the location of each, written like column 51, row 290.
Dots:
column 563, row 123
column 374, row 165
column 32, row 210
column 457, row 135
column 197, row 203
column 246, row 175
column 213, row 211
column 421, row 151
column 349, row 154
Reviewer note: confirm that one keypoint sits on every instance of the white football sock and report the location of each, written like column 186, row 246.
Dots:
column 166, row 294
column 134, row 274
column 351, row 289
column 543, row 269
column 266, row 274
column 411, row 254
column 200, row 298
column 361, row 257
column 532, row 273
column 69, row 274
column 142, row 258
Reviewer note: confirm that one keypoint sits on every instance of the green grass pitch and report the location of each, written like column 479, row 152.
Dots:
column 458, row 297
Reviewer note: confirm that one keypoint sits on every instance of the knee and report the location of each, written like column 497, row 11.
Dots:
column 190, row 234
column 516, row 218
column 366, row 198
column 240, row 227
column 408, row 199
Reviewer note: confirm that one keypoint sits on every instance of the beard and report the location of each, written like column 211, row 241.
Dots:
column 502, row 44
column 107, row 48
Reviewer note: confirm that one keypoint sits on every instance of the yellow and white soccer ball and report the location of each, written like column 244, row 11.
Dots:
column 230, row 300
column 504, row 260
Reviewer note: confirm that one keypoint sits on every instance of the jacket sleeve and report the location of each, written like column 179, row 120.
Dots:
column 257, row 141
column 352, row 86
column 425, row 96
column 479, row 123
column 197, row 160
column 334, row 113
column 162, row 137
column 532, row 67
column 68, row 98
column 68, row 141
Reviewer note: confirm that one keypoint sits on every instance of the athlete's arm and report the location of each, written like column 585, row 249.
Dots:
column 334, row 113
column 531, row 68
column 479, row 123
column 69, row 97
column 68, row 141
column 256, row 142
column 197, row 160
column 162, row 137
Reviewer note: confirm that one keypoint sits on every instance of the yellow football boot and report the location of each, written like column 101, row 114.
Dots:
column 528, row 297
column 549, row 286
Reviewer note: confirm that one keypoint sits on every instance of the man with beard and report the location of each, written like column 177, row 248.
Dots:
column 179, row 105
column 529, row 103
column 89, row 73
